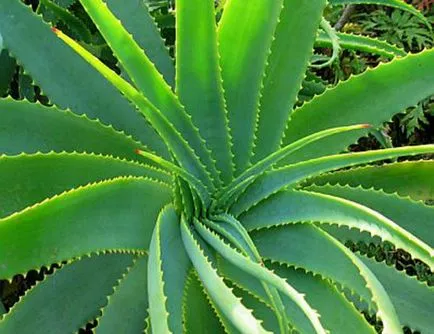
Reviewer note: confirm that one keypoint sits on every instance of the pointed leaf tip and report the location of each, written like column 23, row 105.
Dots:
column 55, row 30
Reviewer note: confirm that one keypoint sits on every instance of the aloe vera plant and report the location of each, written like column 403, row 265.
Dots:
column 195, row 198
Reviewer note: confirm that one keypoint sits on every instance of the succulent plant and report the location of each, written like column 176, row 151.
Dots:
column 196, row 198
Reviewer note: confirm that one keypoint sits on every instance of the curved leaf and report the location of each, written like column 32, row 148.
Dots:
column 198, row 78
column 409, row 178
column 277, row 179
column 30, row 128
column 29, row 179
column 413, row 300
column 304, row 245
column 243, row 61
column 71, row 309
column 291, row 50
column 414, row 217
column 52, row 60
column 152, row 85
column 168, row 270
column 116, row 214
column 255, row 269
column 256, row 170
column 126, row 308
column 230, row 305
column 195, row 299
column 174, row 140
column 392, row 87
column 290, row 207
column 135, row 16
column 361, row 43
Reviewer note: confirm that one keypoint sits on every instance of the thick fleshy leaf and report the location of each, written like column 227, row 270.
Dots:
column 361, row 43
column 31, row 127
column 135, row 16
column 392, row 87
column 257, row 270
column 390, row 3
column 152, row 85
column 239, row 278
column 127, row 306
column 58, row 304
column 337, row 314
column 172, row 137
column 196, row 300
column 303, row 246
column 233, row 231
column 198, row 78
column 310, row 248
column 277, row 179
column 222, row 296
column 168, row 269
column 116, row 214
column 248, row 176
column 52, row 60
column 413, row 300
column 243, row 61
column 414, row 217
column 29, row 179
column 409, row 178
column 290, row 207
column 291, row 50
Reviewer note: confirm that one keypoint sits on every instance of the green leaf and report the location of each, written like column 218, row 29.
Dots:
column 337, row 314
column 391, row 3
column 232, row 230
column 192, row 181
column 126, row 308
column 168, row 270
column 45, row 175
column 361, row 43
column 242, row 181
column 290, row 207
column 260, row 310
column 173, row 139
column 22, row 124
column 392, row 87
column 291, row 50
column 45, row 310
column 255, row 269
column 243, row 61
column 277, row 179
column 308, row 247
column 198, row 78
column 415, row 217
column 409, row 178
column 57, row 70
column 135, row 16
column 413, row 300
column 230, row 305
column 152, row 85
column 116, row 214
column 195, row 299
column 296, row 318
